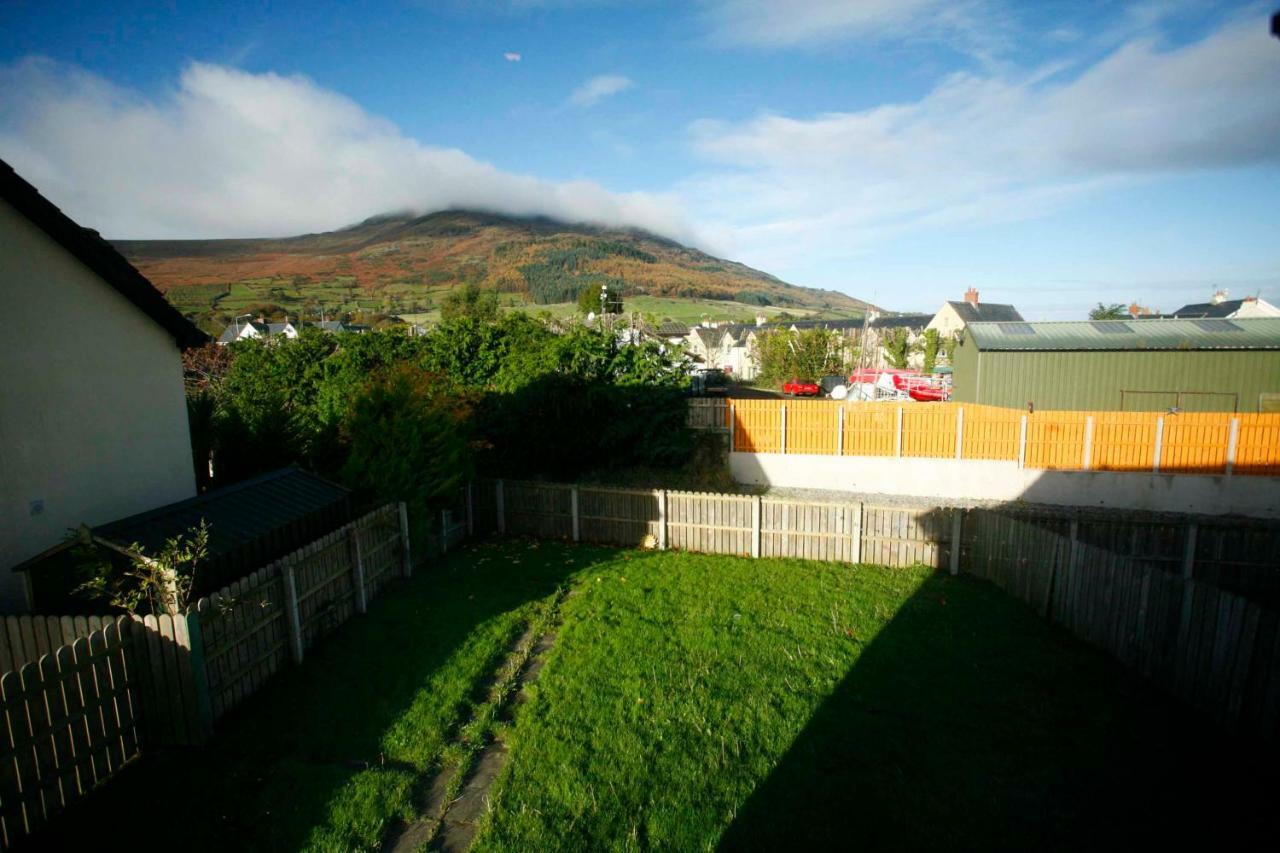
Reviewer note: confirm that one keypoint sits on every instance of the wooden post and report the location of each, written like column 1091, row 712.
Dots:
column 1022, row 443
column 839, row 430
column 500, row 504
column 1073, row 562
column 1189, row 552
column 357, row 571
column 732, row 429
column 404, row 540
column 444, row 531
column 573, row 511
column 291, row 614
column 1232, row 443
column 1155, row 463
column 855, row 554
column 957, row 516
column 783, row 438
column 755, row 526
column 959, row 432
column 662, row 518
column 199, row 676
column 1087, row 461
column 471, row 512
column 898, row 445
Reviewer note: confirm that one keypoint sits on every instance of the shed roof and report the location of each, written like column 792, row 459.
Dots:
column 98, row 255
column 1163, row 334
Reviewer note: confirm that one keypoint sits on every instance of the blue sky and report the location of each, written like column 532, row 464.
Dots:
column 1050, row 154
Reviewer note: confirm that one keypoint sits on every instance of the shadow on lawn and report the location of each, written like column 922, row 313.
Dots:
column 279, row 763
column 966, row 724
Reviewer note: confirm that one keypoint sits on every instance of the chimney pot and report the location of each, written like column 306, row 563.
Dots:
column 971, row 296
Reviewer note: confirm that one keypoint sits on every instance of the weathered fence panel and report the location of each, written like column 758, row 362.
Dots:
column 710, row 523
column 619, row 516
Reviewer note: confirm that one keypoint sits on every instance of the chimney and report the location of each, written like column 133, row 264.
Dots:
column 1135, row 310
column 1219, row 296
column 760, row 319
column 971, row 296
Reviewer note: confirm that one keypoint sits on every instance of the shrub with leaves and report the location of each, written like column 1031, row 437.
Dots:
column 150, row 583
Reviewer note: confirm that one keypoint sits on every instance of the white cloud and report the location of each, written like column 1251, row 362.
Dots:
column 598, row 88
column 228, row 153
column 512, row 56
column 789, row 23
column 988, row 148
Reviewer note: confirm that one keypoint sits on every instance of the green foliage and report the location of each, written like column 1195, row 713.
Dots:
column 931, row 346
column 751, row 297
column 1115, row 311
column 590, row 299
column 949, row 344
column 149, row 583
column 470, row 301
column 408, row 438
column 801, row 354
column 898, row 347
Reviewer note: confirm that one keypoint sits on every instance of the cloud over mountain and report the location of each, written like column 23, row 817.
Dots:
column 229, row 153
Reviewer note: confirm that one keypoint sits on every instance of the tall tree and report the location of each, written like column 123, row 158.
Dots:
column 898, row 347
column 590, row 300
column 1108, row 312
column 470, row 301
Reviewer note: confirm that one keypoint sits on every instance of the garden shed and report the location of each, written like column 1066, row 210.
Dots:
column 251, row 523
column 1145, row 365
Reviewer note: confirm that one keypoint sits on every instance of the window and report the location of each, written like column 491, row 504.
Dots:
column 1111, row 327
column 1217, row 326
column 1017, row 329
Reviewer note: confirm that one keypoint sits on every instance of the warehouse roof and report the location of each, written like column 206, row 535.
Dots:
column 1166, row 334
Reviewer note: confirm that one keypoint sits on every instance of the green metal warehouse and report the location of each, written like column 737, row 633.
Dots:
column 1204, row 365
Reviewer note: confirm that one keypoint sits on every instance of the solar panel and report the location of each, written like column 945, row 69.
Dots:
column 1217, row 325
column 1017, row 329
column 1111, row 327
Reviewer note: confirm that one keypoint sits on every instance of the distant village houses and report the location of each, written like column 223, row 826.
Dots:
column 260, row 329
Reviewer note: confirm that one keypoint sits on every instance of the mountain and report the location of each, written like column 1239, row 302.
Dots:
column 404, row 265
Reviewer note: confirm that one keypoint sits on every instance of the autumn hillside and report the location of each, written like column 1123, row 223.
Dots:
column 404, row 265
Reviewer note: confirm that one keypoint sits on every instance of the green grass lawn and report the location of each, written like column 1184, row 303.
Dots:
column 693, row 702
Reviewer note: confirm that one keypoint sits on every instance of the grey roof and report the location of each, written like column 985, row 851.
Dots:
column 335, row 326
column 897, row 321
column 1161, row 334
column 710, row 337
column 1209, row 310
column 986, row 312
column 277, row 328
column 673, row 329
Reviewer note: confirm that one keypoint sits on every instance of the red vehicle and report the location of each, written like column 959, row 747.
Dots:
column 801, row 388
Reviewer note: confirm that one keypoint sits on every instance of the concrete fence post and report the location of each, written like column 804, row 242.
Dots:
column 1189, row 552
column 898, row 443
column 755, row 526
column 357, row 570
column 444, row 531
column 839, row 430
column 1087, row 461
column 783, row 435
column 957, row 522
column 1233, row 441
column 960, row 432
column 1155, row 463
column 499, row 497
column 291, row 614
column 1022, row 443
column 661, row 494
column 405, row 554
column 199, row 677
column 573, row 511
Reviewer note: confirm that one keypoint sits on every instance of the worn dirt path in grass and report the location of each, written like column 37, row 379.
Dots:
column 448, row 821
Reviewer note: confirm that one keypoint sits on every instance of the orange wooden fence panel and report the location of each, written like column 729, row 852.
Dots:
column 990, row 433
column 870, row 429
column 1123, row 441
column 1190, row 442
column 757, row 426
column 813, row 426
column 929, row 430
column 1195, row 443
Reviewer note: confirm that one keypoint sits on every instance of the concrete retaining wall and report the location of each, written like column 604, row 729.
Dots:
column 968, row 479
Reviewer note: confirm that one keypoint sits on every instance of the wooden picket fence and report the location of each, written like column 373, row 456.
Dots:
column 1192, row 603
column 83, row 696
column 1186, row 443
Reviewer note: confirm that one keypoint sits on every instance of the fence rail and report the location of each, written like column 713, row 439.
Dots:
column 1186, row 442
column 84, row 696
column 1191, row 603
